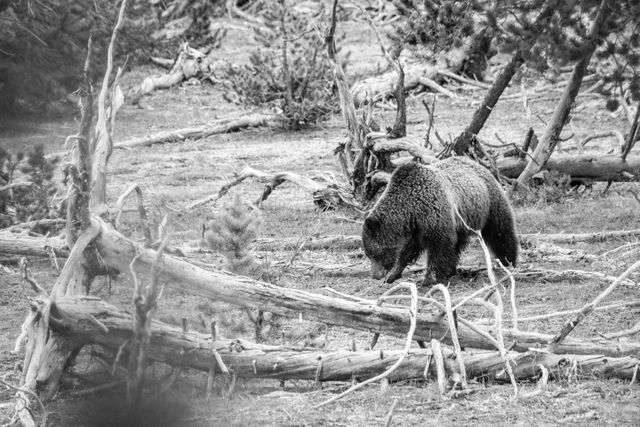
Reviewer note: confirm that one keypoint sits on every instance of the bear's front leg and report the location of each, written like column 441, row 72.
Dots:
column 408, row 252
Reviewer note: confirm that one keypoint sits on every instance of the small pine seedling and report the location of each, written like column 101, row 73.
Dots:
column 232, row 232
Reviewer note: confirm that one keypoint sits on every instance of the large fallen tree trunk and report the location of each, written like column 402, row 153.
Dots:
column 118, row 251
column 89, row 320
column 597, row 167
column 222, row 126
column 22, row 244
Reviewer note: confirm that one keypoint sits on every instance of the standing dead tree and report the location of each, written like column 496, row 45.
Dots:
column 551, row 134
column 47, row 353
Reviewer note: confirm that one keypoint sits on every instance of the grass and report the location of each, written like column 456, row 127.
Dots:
column 172, row 175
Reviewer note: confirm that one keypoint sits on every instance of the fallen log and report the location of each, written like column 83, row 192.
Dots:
column 382, row 86
column 22, row 244
column 189, row 63
column 89, row 320
column 310, row 243
column 355, row 241
column 378, row 142
column 580, row 237
column 587, row 166
column 527, row 365
column 117, row 252
column 222, row 126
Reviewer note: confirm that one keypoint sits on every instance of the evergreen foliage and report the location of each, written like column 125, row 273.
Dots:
column 289, row 72
column 43, row 48
column 26, row 203
column 232, row 232
column 619, row 56
column 560, row 37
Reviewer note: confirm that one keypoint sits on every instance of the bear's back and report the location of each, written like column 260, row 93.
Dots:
column 470, row 186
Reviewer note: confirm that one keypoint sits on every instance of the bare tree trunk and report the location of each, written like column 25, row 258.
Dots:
column 633, row 134
column 549, row 139
column 464, row 140
column 347, row 105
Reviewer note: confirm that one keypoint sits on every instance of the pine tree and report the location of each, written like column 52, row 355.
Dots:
column 232, row 232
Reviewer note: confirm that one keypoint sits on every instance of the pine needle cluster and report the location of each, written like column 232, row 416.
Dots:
column 231, row 232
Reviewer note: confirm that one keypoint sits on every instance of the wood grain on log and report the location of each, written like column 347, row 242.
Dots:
column 22, row 244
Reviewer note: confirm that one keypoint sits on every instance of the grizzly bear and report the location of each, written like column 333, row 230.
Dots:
column 418, row 212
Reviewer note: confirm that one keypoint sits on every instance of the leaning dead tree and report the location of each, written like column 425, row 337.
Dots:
column 551, row 135
column 47, row 353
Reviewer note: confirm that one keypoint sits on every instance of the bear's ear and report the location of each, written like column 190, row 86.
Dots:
column 372, row 224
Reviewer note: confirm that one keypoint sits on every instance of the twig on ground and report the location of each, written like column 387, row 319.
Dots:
column 24, row 268
column 98, row 388
column 549, row 275
column 570, row 324
column 387, row 423
column 620, row 304
column 635, row 329
column 625, row 247
column 302, row 241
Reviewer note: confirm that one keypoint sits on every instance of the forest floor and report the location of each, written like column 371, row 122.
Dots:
column 175, row 174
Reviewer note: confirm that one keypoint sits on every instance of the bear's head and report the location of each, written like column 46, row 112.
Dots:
column 376, row 248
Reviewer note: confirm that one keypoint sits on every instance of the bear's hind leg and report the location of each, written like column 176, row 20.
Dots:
column 443, row 257
column 500, row 235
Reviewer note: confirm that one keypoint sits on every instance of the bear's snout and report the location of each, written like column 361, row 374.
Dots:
column 377, row 270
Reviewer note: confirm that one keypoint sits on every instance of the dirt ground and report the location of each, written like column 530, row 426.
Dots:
column 172, row 175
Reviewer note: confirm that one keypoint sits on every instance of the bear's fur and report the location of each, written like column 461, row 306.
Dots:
column 417, row 213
